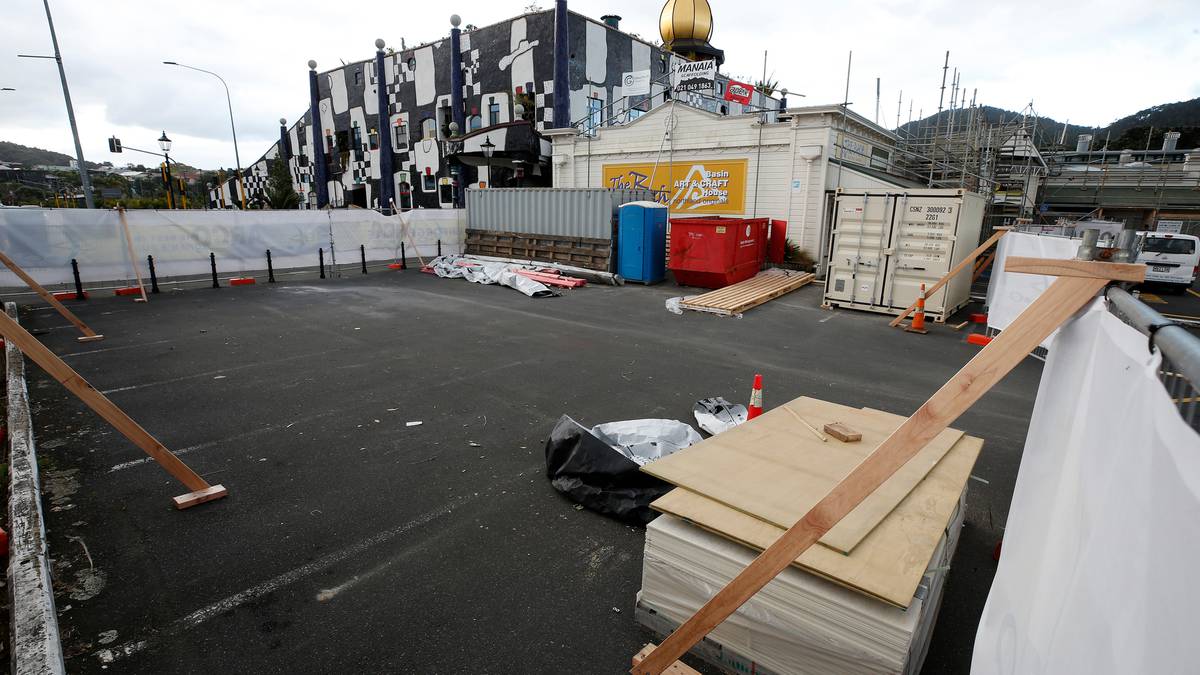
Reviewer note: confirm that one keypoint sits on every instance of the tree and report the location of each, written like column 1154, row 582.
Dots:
column 280, row 193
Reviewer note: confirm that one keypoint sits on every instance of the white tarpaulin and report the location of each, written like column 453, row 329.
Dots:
column 43, row 241
column 1097, row 573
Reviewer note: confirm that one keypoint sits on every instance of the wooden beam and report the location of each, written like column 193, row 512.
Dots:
column 200, row 490
column 88, row 334
column 962, row 264
column 982, row 266
column 1058, row 303
column 1083, row 269
column 676, row 668
column 132, row 257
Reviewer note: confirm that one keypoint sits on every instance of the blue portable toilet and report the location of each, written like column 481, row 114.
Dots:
column 642, row 241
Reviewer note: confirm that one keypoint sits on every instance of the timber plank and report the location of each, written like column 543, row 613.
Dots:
column 749, row 293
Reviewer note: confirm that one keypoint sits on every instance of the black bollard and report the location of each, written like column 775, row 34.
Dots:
column 270, row 269
column 362, row 249
column 439, row 248
column 78, row 283
column 212, row 261
column 403, row 261
column 153, row 276
column 321, row 260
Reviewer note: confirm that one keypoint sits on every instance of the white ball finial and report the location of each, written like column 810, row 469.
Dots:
column 455, row 20
column 312, row 65
column 379, row 43
column 283, row 121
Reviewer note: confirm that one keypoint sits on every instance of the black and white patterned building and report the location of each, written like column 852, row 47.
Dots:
column 505, row 75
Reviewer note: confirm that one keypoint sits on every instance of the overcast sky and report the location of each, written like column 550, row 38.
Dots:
column 1090, row 62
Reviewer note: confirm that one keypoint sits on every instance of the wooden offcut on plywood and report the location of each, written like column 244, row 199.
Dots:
column 752, row 292
column 889, row 562
column 585, row 252
column 791, row 470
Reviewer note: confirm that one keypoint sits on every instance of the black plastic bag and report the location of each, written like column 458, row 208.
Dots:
column 590, row 472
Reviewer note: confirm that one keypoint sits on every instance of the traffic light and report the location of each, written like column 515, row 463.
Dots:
column 114, row 144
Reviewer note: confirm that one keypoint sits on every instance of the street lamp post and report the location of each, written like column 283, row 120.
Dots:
column 488, row 148
column 84, row 180
column 232, row 127
column 165, row 144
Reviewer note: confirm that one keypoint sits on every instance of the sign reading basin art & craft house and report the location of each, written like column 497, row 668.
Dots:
column 698, row 186
column 697, row 76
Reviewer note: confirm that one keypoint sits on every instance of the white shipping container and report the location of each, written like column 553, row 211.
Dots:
column 884, row 245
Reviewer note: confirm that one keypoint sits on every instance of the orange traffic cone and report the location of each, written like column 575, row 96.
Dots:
column 755, row 407
column 918, row 321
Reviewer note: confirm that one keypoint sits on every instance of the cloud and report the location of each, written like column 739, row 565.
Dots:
column 1090, row 62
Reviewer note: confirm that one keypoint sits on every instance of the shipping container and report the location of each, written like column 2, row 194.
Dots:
column 884, row 245
column 557, row 212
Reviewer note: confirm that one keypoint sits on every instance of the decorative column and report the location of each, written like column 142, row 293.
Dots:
column 562, row 82
column 321, row 170
column 285, row 147
column 387, row 177
column 456, row 75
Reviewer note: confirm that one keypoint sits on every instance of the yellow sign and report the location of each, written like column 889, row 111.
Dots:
column 686, row 187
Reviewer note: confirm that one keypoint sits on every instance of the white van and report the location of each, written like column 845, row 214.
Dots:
column 1170, row 258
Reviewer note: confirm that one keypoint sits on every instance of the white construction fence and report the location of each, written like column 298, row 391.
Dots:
column 44, row 241
column 1097, row 568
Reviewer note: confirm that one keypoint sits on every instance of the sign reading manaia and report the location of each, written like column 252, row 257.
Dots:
column 697, row 76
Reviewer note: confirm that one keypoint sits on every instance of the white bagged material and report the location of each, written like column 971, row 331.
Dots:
column 798, row 623
column 1098, row 569
column 645, row 441
column 483, row 272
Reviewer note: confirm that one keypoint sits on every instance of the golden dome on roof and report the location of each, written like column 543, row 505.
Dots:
column 685, row 20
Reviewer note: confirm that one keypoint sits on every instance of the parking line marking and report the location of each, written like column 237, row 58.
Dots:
column 179, row 626
column 219, row 371
column 1193, row 293
column 1150, row 297
column 113, row 349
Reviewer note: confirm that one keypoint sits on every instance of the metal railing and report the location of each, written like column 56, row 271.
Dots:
column 1180, row 349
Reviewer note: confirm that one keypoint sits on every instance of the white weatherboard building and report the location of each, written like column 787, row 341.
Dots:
column 706, row 164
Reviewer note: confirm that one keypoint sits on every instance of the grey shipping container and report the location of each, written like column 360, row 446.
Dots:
column 563, row 212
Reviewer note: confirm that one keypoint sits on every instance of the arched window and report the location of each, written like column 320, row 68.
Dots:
column 474, row 123
column 405, row 196
column 428, row 128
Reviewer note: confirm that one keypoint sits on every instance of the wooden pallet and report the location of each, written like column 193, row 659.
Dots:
column 579, row 251
column 750, row 293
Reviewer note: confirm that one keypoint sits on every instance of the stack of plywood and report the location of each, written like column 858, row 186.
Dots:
column 863, row 599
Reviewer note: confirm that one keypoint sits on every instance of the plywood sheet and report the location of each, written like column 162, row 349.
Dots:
column 775, row 469
column 889, row 562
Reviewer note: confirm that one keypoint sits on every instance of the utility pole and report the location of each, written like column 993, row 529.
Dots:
column 84, row 180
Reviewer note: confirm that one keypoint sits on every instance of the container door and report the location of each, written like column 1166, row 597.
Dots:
column 857, row 258
column 631, row 244
column 923, row 245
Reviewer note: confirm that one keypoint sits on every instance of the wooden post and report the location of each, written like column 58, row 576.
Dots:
column 1079, row 283
column 983, row 265
column 952, row 273
column 88, row 334
column 132, row 258
column 201, row 491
